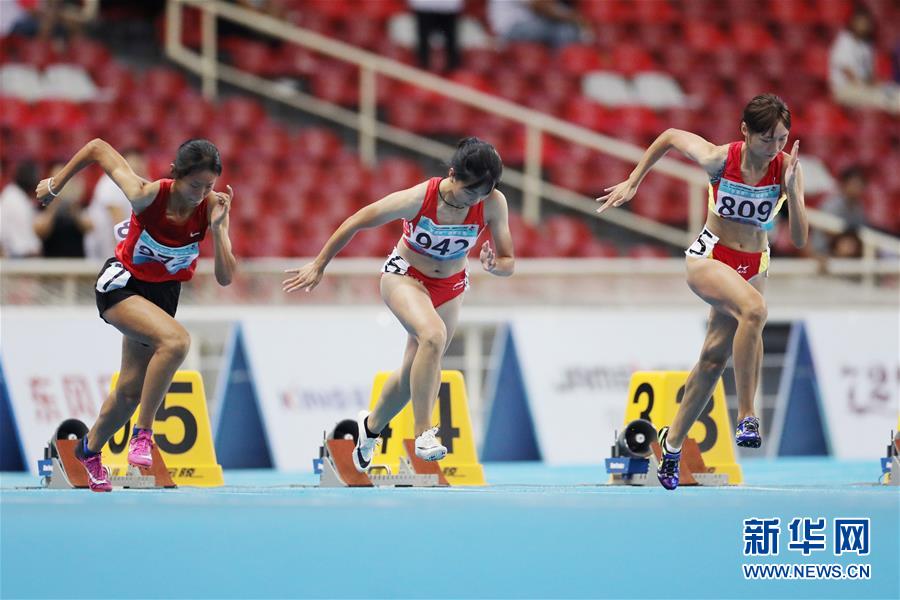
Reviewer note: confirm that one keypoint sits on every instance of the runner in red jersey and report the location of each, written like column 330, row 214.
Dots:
column 727, row 265
column 137, row 290
column 424, row 278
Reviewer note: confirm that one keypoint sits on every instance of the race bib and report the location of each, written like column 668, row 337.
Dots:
column 395, row 264
column 747, row 204
column 174, row 259
column 121, row 230
column 703, row 245
column 442, row 242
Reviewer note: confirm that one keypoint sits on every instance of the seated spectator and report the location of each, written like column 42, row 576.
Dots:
column 17, row 213
column 62, row 225
column 550, row 22
column 852, row 67
column 108, row 208
column 846, row 244
column 847, row 204
column 437, row 17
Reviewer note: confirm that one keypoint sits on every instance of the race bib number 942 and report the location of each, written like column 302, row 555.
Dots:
column 173, row 259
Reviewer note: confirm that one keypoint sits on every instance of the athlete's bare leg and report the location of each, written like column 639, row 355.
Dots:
column 142, row 321
column 430, row 331
column 735, row 326
column 121, row 402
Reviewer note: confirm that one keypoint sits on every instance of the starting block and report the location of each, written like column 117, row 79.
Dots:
column 636, row 455
column 60, row 470
column 337, row 469
column 890, row 464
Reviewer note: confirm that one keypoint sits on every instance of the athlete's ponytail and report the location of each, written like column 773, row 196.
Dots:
column 476, row 161
column 196, row 155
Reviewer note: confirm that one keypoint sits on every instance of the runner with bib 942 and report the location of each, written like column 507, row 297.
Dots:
column 137, row 290
column 424, row 278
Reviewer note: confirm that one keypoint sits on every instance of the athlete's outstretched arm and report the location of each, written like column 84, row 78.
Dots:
column 398, row 205
column 138, row 190
column 219, row 209
column 705, row 154
column 793, row 187
column 501, row 262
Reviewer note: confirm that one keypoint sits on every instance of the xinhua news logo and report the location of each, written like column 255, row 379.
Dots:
column 807, row 536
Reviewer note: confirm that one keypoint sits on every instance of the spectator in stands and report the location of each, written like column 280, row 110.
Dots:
column 17, row 214
column 109, row 206
column 847, row 244
column 550, row 22
column 19, row 17
column 66, row 19
column 852, row 67
column 63, row 224
column 846, row 203
column 437, row 17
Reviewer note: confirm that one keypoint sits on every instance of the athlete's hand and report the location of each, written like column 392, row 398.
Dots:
column 617, row 195
column 488, row 259
column 306, row 278
column 790, row 171
column 42, row 191
column 221, row 206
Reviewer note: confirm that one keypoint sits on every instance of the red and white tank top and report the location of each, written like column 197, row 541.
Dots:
column 156, row 249
column 423, row 234
column 733, row 199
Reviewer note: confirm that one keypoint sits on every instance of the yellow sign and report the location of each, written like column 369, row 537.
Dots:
column 655, row 396
column 461, row 466
column 181, row 433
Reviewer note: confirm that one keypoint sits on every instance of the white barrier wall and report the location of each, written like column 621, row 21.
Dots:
column 311, row 367
column 314, row 369
column 577, row 365
column 857, row 364
column 57, row 365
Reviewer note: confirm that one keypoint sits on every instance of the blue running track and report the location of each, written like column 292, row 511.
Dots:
column 535, row 532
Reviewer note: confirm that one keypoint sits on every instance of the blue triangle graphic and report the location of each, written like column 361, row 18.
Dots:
column 11, row 456
column 241, row 441
column 510, row 431
column 803, row 431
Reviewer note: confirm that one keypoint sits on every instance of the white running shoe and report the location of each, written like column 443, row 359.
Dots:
column 365, row 445
column 427, row 446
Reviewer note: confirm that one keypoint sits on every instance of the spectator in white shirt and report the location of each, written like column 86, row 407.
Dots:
column 852, row 67
column 549, row 22
column 17, row 213
column 108, row 208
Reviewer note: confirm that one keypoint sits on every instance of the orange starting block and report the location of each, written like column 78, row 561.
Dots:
column 338, row 469
column 61, row 470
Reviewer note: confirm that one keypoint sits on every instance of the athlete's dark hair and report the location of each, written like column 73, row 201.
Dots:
column 196, row 155
column 476, row 161
column 764, row 112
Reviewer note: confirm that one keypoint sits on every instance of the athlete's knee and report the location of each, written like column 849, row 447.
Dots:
column 754, row 312
column 175, row 344
column 128, row 398
column 712, row 362
column 433, row 338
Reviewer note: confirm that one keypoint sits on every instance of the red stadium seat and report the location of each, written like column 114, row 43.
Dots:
column 578, row 59
column 630, row 59
column 162, row 84
column 704, row 36
column 527, row 57
column 566, row 234
column 750, row 38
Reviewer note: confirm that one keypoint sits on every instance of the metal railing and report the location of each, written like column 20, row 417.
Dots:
column 537, row 124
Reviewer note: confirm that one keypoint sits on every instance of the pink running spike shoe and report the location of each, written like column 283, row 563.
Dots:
column 139, row 449
column 98, row 475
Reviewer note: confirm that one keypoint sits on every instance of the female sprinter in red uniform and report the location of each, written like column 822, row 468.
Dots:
column 137, row 290
column 728, row 264
column 424, row 279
